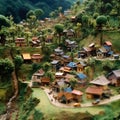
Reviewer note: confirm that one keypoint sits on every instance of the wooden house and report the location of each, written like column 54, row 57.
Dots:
column 108, row 46
column 101, row 52
column 36, row 57
column 65, row 97
column 59, row 75
column 114, row 77
column 65, row 59
column 94, row 92
column 77, row 95
column 101, row 81
column 45, row 81
column 20, row 42
column 36, row 78
column 55, row 65
column 65, row 69
column 35, row 42
column 40, row 73
column 70, row 44
column 81, row 78
column 58, row 51
column 73, row 19
column 80, row 66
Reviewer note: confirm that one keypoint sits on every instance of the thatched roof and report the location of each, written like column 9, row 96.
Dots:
column 26, row 56
column 101, row 80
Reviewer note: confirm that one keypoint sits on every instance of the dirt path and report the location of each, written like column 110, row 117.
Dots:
column 89, row 104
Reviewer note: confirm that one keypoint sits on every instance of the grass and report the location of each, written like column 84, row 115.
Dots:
column 51, row 111
column 2, row 108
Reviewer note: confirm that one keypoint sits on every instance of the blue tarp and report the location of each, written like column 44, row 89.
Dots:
column 72, row 65
column 68, row 89
column 81, row 76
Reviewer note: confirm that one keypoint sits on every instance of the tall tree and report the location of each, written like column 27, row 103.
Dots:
column 59, row 30
column 38, row 13
column 101, row 21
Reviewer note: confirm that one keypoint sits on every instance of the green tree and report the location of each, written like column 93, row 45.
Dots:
column 4, row 21
column 38, row 13
column 101, row 21
column 3, row 34
column 59, row 30
column 6, row 69
column 85, row 20
column 18, row 61
column 30, row 13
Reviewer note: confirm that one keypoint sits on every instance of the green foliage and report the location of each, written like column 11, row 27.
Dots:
column 4, row 21
column 107, row 65
column 18, row 61
column 35, row 67
column 59, row 28
column 38, row 13
column 6, row 68
column 46, row 66
column 27, row 108
column 50, row 75
column 38, row 115
column 2, row 108
column 101, row 20
column 19, row 8
column 30, row 13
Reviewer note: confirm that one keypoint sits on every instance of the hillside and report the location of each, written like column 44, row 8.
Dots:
column 19, row 8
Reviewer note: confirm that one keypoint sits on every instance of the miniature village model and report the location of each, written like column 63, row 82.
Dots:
column 63, row 65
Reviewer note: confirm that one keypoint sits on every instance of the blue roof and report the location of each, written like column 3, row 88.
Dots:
column 68, row 89
column 110, row 53
column 81, row 76
column 71, row 65
column 107, row 47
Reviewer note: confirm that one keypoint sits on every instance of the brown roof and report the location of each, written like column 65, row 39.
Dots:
column 45, row 80
column 101, row 80
column 20, row 39
column 67, row 95
column 77, row 92
column 87, row 49
column 103, row 50
column 36, row 56
column 34, row 38
column 65, row 69
column 68, row 76
column 26, row 56
column 94, row 90
column 60, row 94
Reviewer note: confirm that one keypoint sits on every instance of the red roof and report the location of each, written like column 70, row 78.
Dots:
column 94, row 90
column 77, row 92
column 108, row 43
